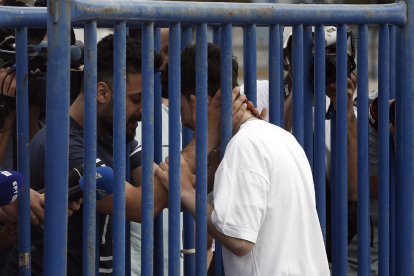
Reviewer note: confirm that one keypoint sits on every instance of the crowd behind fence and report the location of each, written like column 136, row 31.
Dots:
column 395, row 195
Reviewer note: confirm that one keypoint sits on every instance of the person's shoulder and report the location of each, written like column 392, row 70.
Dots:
column 259, row 128
column 39, row 139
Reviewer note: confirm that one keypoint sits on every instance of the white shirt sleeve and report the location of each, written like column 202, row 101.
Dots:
column 263, row 96
column 239, row 203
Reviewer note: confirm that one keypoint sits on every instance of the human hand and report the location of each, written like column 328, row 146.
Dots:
column 9, row 85
column 37, row 209
column 74, row 206
column 351, row 87
column 187, row 178
column 260, row 115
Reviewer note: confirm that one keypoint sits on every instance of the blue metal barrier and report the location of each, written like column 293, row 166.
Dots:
column 364, row 237
column 158, row 220
column 395, row 53
column 89, row 215
column 23, row 160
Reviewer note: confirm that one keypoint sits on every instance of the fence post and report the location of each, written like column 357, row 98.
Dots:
column 57, row 135
column 90, row 141
column 23, row 151
column 404, row 144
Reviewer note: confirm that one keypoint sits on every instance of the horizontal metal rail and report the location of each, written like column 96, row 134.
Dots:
column 260, row 14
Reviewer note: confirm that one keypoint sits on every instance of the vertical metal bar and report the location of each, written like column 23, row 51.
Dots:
column 128, row 223
column 158, row 220
column 392, row 206
column 89, row 151
column 281, row 76
column 57, row 134
column 297, row 83
column 275, row 93
column 249, row 61
column 320, row 109
column 383, row 158
column 147, row 222
column 226, row 107
column 308, row 94
column 201, row 149
column 404, row 128
column 399, row 244
column 119, row 98
column 23, row 165
column 217, row 35
column 174, row 149
column 188, row 220
column 364, row 234
column 342, row 149
column 392, row 31
column 334, row 192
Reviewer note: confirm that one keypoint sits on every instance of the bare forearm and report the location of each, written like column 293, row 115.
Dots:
column 236, row 246
column 288, row 120
column 189, row 155
column 133, row 204
column 352, row 159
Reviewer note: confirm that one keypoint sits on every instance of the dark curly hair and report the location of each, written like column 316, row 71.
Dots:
column 105, row 58
column 188, row 71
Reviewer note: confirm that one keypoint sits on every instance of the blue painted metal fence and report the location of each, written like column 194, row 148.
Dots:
column 396, row 52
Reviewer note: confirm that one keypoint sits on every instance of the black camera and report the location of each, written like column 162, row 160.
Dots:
column 37, row 60
column 330, row 60
column 373, row 114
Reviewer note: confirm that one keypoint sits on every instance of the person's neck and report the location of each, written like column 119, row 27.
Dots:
column 77, row 112
column 247, row 116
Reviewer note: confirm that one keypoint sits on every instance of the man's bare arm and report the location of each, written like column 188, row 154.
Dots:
column 237, row 246
column 133, row 198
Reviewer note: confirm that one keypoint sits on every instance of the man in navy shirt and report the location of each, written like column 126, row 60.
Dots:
column 133, row 191
column 104, row 157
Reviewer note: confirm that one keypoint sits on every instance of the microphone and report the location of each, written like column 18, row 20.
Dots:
column 104, row 185
column 11, row 185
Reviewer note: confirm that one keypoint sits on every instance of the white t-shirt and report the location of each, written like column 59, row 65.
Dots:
column 263, row 101
column 264, row 193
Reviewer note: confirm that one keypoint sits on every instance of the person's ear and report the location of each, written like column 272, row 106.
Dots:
column 103, row 93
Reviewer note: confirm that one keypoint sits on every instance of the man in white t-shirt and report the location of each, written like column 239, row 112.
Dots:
column 264, row 211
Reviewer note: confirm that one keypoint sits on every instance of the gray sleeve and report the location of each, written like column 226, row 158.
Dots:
column 373, row 152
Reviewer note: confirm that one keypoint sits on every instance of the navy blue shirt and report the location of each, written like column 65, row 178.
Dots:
column 75, row 222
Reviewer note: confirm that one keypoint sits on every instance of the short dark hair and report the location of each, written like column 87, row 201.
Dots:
column 105, row 58
column 188, row 71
